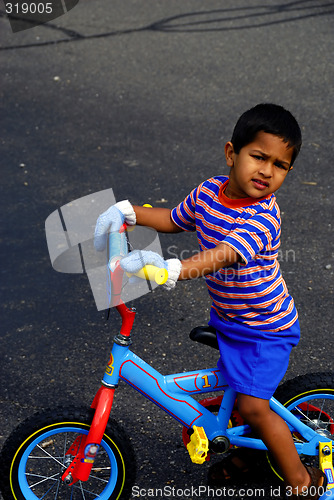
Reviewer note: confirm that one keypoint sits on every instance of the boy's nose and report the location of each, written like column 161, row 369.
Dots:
column 266, row 169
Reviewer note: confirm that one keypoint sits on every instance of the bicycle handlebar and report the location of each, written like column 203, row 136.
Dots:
column 118, row 248
column 152, row 273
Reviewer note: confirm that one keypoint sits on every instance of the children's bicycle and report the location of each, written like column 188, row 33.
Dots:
column 80, row 453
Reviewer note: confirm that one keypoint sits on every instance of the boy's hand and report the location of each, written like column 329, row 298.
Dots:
column 137, row 259
column 112, row 220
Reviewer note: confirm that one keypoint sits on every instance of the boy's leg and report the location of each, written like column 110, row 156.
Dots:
column 275, row 433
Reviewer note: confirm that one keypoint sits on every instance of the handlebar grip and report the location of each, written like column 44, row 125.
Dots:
column 152, row 273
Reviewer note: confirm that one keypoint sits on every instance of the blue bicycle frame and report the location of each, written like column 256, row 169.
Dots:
column 173, row 393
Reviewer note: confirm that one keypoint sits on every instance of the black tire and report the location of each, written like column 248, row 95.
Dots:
column 313, row 394
column 37, row 448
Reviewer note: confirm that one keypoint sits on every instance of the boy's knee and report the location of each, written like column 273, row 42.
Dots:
column 251, row 408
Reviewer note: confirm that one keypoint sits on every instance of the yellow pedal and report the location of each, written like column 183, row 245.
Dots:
column 198, row 446
column 326, row 462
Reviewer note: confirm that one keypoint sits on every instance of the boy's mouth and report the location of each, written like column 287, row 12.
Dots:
column 259, row 184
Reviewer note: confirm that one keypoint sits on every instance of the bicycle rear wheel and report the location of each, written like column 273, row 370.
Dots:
column 35, row 457
column 311, row 399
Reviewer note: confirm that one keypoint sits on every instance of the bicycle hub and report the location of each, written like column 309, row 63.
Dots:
column 220, row 444
column 68, row 479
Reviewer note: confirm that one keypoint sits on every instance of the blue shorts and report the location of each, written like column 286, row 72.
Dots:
column 253, row 361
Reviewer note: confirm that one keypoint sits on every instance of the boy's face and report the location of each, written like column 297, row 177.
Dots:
column 260, row 167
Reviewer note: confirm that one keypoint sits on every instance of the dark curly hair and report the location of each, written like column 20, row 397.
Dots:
column 269, row 118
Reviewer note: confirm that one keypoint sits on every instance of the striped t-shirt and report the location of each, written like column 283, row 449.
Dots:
column 252, row 291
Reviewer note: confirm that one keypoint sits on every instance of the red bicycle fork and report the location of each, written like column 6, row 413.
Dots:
column 85, row 447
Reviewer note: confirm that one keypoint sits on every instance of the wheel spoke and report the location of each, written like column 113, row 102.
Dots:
column 302, row 413
column 47, row 453
column 57, row 491
column 306, row 416
column 44, row 496
column 65, row 446
column 99, row 478
column 321, row 410
column 59, row 459
column 50, row 478
column 82, row 491
column 96, row 495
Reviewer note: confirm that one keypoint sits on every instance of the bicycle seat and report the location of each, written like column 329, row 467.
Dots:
column 205, row 335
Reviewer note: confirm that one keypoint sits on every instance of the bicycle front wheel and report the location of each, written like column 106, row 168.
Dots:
column 311, row 399
column 35, row 457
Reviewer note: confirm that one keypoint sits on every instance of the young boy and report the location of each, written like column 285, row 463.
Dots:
column 237, row 221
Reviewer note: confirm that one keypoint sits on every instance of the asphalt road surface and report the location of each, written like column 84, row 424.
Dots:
column 140, row 97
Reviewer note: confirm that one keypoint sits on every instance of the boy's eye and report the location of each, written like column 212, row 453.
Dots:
column 258, row 157
column 283, row 167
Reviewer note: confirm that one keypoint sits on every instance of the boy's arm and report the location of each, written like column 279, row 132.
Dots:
column 208, row 261
column 156, row 218
column 200, row 264
column 113, row 219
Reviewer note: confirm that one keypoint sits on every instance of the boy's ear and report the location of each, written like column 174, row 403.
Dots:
column 229, row 154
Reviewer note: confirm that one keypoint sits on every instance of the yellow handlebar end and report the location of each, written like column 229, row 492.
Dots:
column 161, row 276
column 151, row 273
